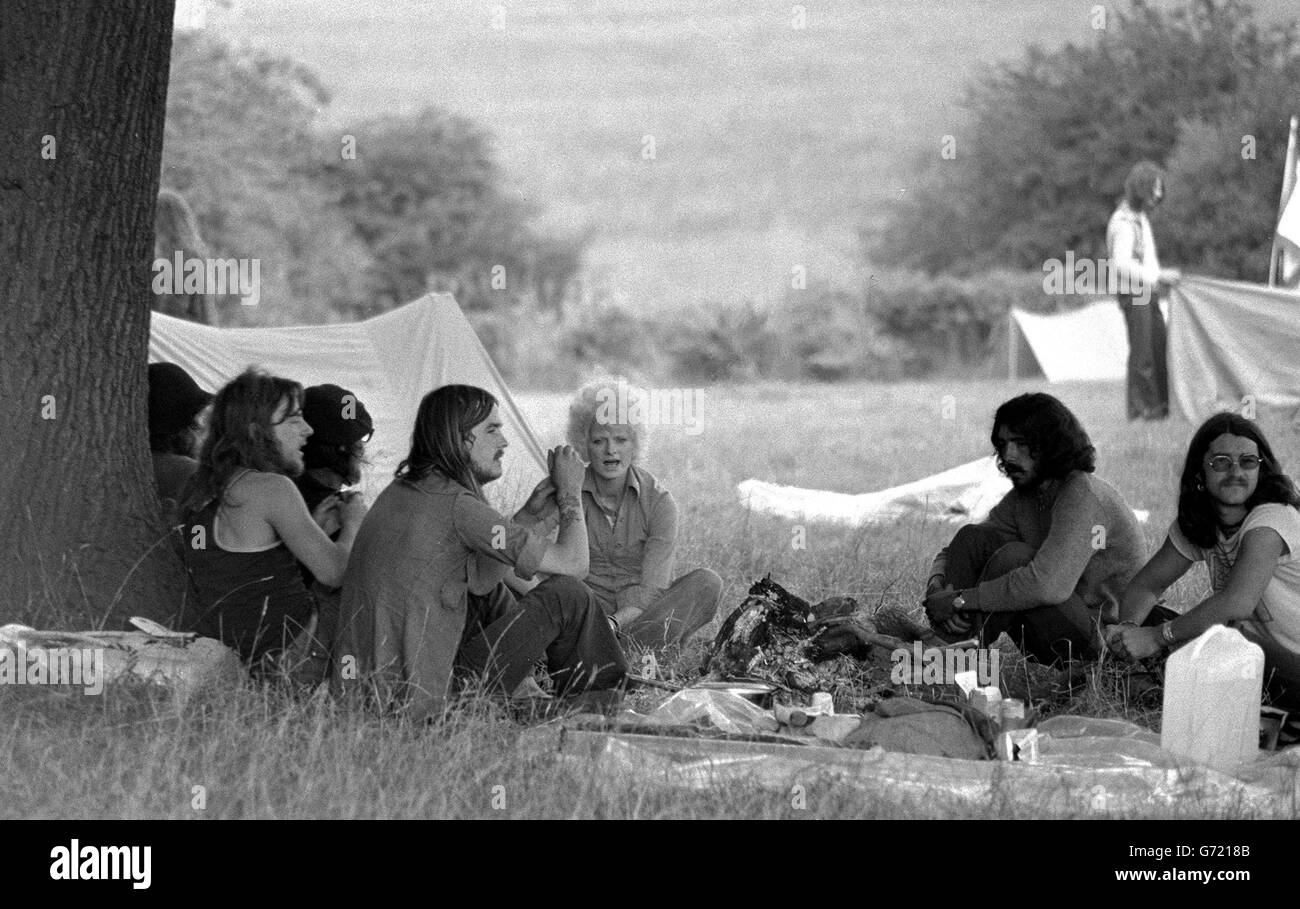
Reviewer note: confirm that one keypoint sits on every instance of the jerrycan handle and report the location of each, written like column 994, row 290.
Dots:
column 1205, row 637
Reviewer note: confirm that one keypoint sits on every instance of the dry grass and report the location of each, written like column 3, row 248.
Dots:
column 263, row 754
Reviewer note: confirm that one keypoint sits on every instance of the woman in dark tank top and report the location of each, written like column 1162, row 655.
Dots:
column 247, row 526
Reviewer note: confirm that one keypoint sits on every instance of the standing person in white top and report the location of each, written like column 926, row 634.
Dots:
column 1131, row 248
column 1237, row 512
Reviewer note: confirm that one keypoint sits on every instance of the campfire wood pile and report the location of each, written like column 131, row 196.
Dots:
column 777, row 637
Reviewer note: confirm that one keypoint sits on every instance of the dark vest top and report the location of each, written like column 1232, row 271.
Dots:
column 255, row 602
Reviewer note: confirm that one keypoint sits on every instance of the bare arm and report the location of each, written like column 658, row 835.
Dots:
column 286, row 512
column 569, row 554
column 1261, row 547
column 540, row 507
column 1151, row 581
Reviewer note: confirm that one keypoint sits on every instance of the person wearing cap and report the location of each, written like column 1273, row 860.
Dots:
column 176, row 404
column 336, row 449
column 332, row 460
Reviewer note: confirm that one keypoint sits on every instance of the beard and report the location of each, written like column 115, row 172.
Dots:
column 1020, row 480
column 486, row 474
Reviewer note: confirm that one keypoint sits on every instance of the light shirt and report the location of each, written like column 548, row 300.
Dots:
column 637, row 548
column 1277, row 616
column 1131, row 248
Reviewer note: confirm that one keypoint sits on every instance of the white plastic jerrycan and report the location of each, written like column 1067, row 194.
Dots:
column 1212, row 693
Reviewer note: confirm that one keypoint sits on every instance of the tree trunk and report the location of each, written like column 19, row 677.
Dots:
column 83, row 86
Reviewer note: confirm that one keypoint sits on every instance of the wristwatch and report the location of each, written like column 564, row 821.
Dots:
column 958, row 603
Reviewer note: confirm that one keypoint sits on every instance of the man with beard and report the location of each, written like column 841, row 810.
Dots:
column 428, row 591
column 247, row 527
column 1052, row 557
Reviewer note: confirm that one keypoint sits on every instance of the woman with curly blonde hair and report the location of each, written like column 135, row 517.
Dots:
column 632, row 522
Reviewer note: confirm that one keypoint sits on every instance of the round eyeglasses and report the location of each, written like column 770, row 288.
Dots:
column 1223, row 463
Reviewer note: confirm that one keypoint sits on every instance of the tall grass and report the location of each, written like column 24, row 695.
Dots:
column 261, row 753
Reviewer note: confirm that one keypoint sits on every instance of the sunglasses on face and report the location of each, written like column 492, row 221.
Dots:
column 1223, row 463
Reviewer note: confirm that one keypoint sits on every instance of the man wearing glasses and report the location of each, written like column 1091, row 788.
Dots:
column 1237, row 513
column 1052, row 557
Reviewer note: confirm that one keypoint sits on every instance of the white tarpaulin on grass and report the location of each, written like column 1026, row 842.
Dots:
column 389, row 362
column 1228, row 340
column 960, row 495
column 1076, row 776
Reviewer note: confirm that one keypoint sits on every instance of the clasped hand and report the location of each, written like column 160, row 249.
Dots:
column 1131, row 642
column 939, row 609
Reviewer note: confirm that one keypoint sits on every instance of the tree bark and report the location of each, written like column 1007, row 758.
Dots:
column 83, row 86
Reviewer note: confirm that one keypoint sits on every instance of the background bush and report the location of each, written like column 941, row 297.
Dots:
column 348, row 223
column 1041, row 165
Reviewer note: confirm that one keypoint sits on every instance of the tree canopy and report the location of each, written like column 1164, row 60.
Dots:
column 346, row 222
column 1203, row 89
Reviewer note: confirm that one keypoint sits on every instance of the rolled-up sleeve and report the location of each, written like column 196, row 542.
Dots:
column 485, row 531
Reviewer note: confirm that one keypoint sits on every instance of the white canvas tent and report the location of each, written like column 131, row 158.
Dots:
column 389, row 362
column 1087, row 344
column 1227, row 340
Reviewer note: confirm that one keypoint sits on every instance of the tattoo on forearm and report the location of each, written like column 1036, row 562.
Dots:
column 570, row 509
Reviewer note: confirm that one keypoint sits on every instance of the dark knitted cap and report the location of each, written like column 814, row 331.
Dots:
column 175, row 399
column 335, row 415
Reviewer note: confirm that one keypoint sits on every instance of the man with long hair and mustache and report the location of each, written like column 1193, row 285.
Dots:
column 430, row 593
column 246, row 526
column 1052, row 557
column 1237, row 513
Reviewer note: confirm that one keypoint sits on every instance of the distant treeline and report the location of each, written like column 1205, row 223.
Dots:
column 356, row 221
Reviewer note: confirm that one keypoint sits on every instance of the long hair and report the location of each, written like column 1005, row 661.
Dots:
column 1054, row 435
column 1197, row 518
column 240, row 435
column 1140, row 184
column 609, row 401
column 442, row 427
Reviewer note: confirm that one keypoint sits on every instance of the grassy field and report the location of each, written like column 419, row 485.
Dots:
column 258, row 754
column 773, row 144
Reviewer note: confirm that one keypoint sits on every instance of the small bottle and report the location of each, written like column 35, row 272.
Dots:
column 1013, row 714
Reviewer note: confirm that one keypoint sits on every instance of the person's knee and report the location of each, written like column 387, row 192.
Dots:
column 709, row 595
column 971, row 535
column 707, row 586
column 571, row 595
column 1007, row 558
